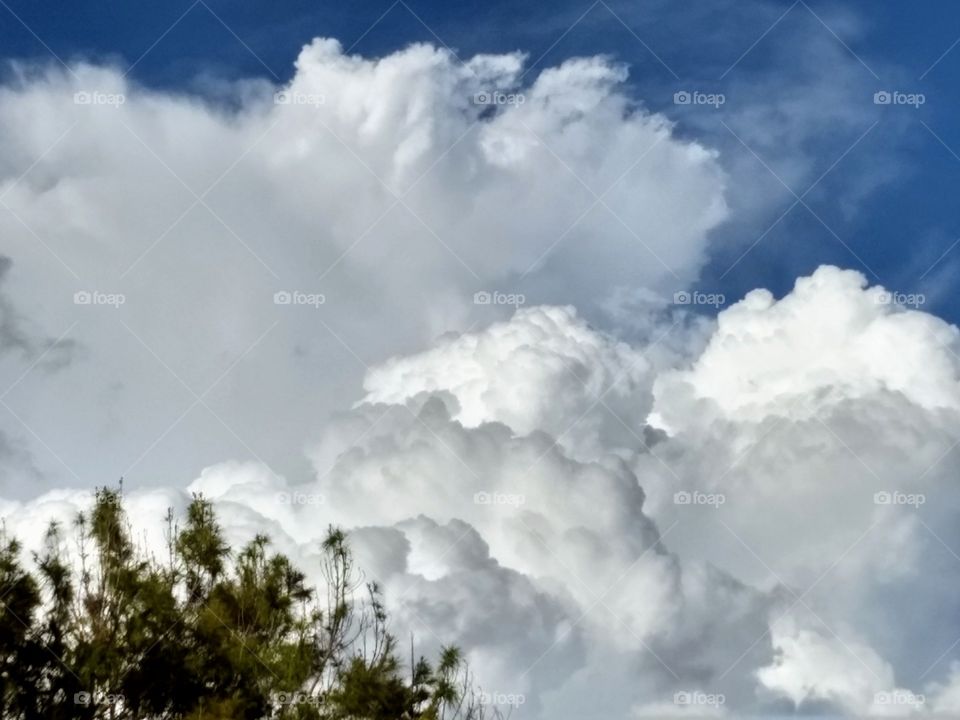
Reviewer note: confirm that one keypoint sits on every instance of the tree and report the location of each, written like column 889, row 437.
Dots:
column 208, row 632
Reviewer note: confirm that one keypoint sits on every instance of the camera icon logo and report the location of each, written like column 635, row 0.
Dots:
column 882, row 97
column 282, row 297
column 681, row 98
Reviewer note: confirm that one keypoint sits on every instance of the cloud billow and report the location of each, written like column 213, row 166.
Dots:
column 305, row 231
column 550, row 553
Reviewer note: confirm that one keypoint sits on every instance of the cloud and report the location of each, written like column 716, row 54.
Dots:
column 947, row 695
column 377, row 194
column 17, row 338
column 829, row 336
column 545, row 370
column 822, row 419
column 811, row 667
column 810, row 567
column 21, row 351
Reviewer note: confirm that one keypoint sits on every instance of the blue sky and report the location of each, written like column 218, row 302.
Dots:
column 886, row 208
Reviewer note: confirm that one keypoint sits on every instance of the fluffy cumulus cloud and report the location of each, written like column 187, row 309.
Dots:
column 544, row 370
column 766, row 524
column 154, row 230
column 827, row 341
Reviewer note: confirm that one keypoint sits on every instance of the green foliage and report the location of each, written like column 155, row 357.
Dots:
column 207, row 633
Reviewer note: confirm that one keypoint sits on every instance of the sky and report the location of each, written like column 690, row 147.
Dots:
column 618, row 334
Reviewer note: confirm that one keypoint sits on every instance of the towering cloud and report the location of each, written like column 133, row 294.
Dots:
column 377, row 196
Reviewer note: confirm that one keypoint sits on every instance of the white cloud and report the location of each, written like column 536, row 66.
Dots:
column 798, row 412
column 810, row 667
column 829, row 340
column 946, row 696
column 543, row 370
column 379, row 183
column 549, row 563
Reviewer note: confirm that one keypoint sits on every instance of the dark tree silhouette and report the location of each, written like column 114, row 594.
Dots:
column 205, row 633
